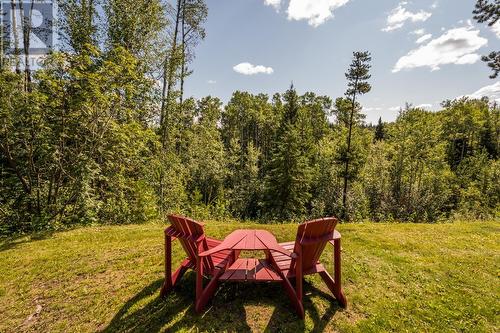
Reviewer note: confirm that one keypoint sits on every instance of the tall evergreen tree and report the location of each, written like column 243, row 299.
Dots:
column 357, row 82
column 486, row 11
column 379, row 130
column 289, row 176
column 490, row 13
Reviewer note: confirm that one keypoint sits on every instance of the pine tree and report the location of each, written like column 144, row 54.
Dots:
column 489, row 12
column 379, row 130
column 289, row 177
column 357, row 77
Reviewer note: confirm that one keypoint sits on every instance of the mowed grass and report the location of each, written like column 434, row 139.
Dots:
column 397, row 277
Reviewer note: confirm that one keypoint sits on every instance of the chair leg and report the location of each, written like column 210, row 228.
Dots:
column 335, row 285
column 297, row 303
column 336, row 290
column 206, row 294
column 299, row 277
column 169, row 283
column 338, row 273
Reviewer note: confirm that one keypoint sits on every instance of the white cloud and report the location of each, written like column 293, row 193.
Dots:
column 247, row 68
column 418, row 32
column 395, row 108
column 372, row 109
column 316, row 12
column 455, row 46
column 496, row 29
column 399, row 15
column 424, row 106
column 424, row 38
column 273, row 3
column 492, row 92
column 211, row 82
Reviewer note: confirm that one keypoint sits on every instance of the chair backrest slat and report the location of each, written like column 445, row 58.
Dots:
column 190, row 230
column 307, row 233
column 178, row 223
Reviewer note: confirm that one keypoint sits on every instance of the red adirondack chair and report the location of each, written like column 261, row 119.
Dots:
column 193, row 239
column 311, row 239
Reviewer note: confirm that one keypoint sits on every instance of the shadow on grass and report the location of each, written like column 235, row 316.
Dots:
column 228, row 310
column 7, row 243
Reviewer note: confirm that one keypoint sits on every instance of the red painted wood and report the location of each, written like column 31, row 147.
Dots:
column 337, row 273
column 251, row 264
column 168, row 262
column 250, row 269
column 208, row 292
column 280, row 263
column 193, row 240
column 311, row 239
column 237, row 267
column 264, row 273
column 298, row 274
column 246, row 240
column 299, row 307
column 199, row 277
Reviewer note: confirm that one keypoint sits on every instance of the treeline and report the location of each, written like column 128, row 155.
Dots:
column 102, row 133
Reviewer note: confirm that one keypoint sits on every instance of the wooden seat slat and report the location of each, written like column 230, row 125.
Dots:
column 251, row 264
column 238, row 266
column 250, row 269
column 265, row 272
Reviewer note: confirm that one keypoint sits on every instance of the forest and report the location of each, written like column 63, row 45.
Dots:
column 103, row 133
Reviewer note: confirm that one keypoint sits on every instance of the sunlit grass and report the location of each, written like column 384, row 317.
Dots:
column 397, row 277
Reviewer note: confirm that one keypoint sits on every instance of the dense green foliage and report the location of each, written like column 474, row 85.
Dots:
column 93, row 137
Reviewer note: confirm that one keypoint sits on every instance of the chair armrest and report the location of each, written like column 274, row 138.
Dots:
column 325, row 238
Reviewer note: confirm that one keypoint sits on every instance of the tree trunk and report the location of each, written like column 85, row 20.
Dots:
column 346, row 169
column 168, row 78
column 16, row 36
column 2, row 46
column 183, row 60
column 26, row 27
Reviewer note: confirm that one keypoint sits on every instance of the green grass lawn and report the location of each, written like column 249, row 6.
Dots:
column 397, row 277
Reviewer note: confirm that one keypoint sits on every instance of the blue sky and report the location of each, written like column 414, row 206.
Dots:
column 424, row 51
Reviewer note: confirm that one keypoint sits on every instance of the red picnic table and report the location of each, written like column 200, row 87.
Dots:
column 243, row 269
column 285, row 262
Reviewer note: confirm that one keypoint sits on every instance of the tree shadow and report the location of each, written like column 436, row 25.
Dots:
column 147, row 312
column 11, row 242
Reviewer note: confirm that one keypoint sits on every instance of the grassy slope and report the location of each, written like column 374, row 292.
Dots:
column 397, row 277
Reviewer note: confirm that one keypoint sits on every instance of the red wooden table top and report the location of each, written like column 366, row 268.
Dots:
column 248, row 240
